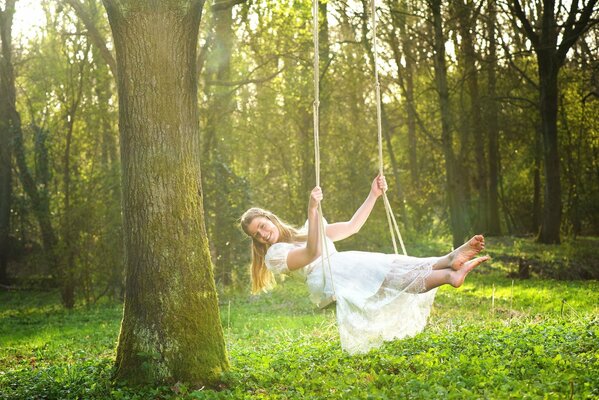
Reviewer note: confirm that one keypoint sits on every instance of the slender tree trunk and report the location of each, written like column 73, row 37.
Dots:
column 6, row 137
column 454, row 184
column 68, row 279
column 494, row 226
column 68, row 258
column 406, row 78
column 171, row 325
column 394, row 167
column 571, row 172
column 474, row 127
column 410, row 107
column 109, row 161
column 219, row 124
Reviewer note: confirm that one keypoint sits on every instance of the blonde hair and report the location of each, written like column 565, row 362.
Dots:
column 262, row 279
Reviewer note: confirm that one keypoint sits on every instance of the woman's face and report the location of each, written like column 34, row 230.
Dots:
column 263, row 230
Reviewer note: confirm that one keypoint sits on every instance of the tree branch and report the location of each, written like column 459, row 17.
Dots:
column 574, row 29
column 516, row 9
column 94, row 34
column 245, row 81
column 513, row 64
column 223, row 5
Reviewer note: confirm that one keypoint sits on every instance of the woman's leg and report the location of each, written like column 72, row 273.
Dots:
column 448, row 276
column 457, row 258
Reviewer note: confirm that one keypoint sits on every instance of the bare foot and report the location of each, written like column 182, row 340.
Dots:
column 457, row 277
column 459, row 257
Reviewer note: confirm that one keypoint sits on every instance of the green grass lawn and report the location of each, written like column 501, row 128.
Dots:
column 494, row 338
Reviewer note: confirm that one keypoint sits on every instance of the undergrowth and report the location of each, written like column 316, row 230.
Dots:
column 494, row 338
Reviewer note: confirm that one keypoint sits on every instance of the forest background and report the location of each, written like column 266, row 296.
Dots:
column 468, row 155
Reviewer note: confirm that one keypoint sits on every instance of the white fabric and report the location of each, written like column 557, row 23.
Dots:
column 378, row 295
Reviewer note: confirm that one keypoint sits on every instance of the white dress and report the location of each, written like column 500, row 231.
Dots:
column 378, row 295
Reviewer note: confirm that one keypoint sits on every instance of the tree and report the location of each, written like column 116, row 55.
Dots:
column 467, row 12
column 551, row 56
column 39, row 198
column 171, row 326
column 455, row 186
column 494, row 227
column 222, row 206
column 6, row 16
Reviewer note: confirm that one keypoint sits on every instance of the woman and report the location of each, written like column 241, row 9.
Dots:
column 379, row 297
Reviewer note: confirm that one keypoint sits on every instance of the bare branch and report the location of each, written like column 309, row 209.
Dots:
column 94, row 34
column 237, row 84
column 575, row 29
column 516, row 9
column 515, row 66
column 518, row 99
column 223, row 5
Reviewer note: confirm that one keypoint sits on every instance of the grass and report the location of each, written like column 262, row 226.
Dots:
column 493, row 338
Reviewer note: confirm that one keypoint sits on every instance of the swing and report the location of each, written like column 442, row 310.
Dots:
column 329, row 297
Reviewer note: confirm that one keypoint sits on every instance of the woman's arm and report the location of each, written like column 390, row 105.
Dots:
column 300, row 257
column 342, row 230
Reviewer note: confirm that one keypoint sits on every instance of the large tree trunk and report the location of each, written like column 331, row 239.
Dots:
column 454, row 185
column 5, row 137
column 494, row 226
column 171, row 326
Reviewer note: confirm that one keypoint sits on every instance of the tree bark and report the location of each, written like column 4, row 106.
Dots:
column 454, row 184
column 171, row 325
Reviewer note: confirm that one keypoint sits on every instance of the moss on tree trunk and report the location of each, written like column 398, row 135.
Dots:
column 171, row 325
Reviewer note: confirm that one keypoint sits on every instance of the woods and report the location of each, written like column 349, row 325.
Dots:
column 134, row 134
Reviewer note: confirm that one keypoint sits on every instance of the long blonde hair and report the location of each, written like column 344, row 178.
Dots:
column 262, row 278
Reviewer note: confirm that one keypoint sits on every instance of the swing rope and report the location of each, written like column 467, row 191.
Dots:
column 393, row 227
column 316, row 115
column 390, row 216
